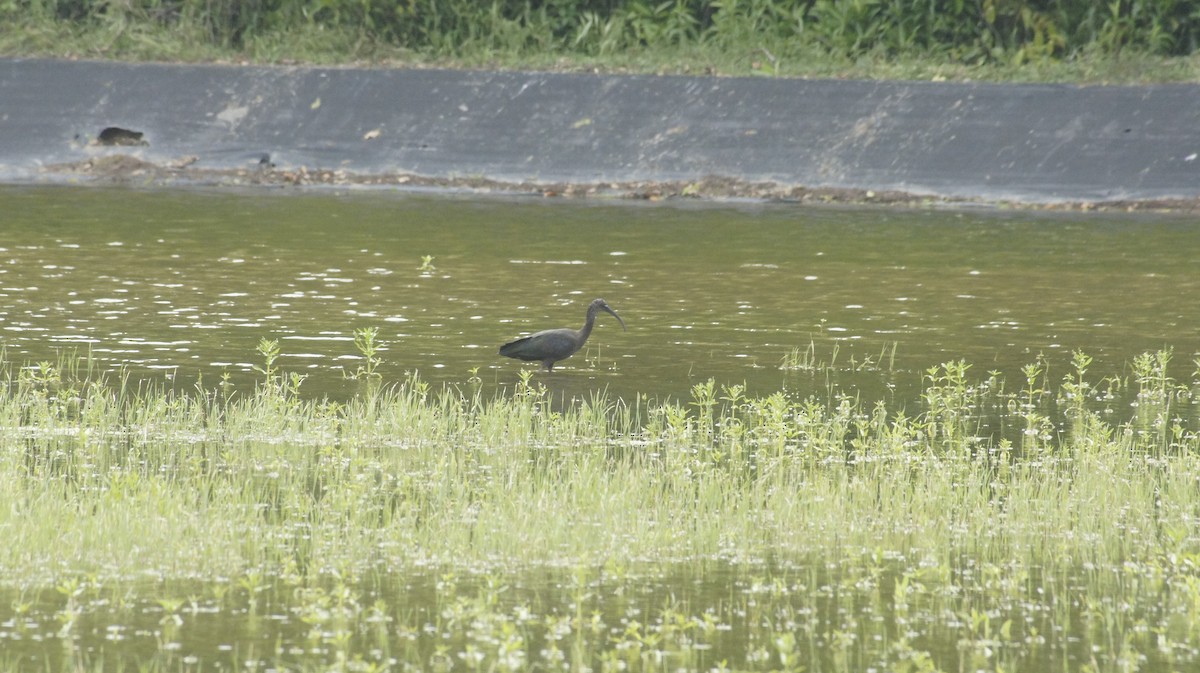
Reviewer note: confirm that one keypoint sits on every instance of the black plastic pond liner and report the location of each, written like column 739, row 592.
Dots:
column 1028, row 143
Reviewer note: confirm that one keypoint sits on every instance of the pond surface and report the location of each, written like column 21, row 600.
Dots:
column 181, row 286
column 184, row 284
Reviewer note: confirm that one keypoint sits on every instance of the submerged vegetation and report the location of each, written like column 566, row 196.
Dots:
column 979, row 528
column 1025, row 39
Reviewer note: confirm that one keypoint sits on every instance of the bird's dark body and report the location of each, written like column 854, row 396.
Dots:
column 536, row 346
column 550, row 346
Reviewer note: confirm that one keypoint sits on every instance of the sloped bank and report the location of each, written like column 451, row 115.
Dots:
column 571, row 133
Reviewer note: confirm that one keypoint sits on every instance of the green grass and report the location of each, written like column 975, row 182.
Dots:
column 1076, row 41
column 840, row 519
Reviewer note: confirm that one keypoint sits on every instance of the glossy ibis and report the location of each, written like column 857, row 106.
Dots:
column 550, row 346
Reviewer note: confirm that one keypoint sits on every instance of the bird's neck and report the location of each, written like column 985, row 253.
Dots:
column 587, row 326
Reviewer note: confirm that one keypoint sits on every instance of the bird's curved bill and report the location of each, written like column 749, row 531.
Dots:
column 614, row 314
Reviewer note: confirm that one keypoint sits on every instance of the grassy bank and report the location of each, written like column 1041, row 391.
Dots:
column 1078, row 40
column 853, row 518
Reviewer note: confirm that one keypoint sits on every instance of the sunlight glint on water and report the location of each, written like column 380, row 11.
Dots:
column 185, row 284
column 957, row 527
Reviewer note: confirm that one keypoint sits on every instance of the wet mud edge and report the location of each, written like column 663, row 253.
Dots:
column 130, row 171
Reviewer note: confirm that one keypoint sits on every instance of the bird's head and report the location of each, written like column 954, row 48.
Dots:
column 601, row 305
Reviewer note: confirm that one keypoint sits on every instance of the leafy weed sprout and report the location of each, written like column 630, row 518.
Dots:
column 364, row 341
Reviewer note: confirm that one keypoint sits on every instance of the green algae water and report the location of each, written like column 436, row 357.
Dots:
column 831, row 440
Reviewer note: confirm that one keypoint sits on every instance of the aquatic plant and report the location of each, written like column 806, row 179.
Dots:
column 955, row 534
column 368, row 348
column 806, row 359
